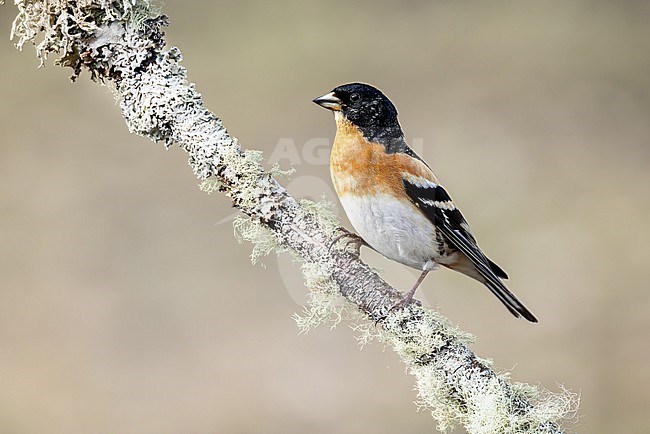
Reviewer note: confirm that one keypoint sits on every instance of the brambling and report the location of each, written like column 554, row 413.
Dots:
column 393, row 199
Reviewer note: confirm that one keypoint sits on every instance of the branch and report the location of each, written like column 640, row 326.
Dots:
column 121, row 43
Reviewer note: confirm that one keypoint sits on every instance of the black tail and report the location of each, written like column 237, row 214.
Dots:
column 508, row 298
column 496, row 269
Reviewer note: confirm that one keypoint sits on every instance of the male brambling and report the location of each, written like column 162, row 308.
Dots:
column 393, row 199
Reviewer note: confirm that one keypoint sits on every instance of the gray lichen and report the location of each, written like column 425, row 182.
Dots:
column 121, row 42
column 64, row 23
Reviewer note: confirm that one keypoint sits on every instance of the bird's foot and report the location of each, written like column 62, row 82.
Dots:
column 352, row 239
column 405, row 301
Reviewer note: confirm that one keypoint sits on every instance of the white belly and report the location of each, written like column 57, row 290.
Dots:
column 397, row 230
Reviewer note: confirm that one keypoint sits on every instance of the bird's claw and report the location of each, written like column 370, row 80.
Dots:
column 352, row 240
column 404, row 301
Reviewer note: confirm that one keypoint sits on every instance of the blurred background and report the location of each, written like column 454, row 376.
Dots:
column 126, row 305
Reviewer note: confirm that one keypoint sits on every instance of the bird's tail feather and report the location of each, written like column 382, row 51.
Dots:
column 489, row 278
column 497, row 270
column 508, row 298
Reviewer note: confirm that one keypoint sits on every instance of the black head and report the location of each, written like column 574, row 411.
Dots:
column 366, row 107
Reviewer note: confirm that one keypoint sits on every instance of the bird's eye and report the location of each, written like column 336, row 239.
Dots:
column 355, row 97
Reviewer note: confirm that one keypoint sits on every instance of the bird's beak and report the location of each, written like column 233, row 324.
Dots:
column 329, row 101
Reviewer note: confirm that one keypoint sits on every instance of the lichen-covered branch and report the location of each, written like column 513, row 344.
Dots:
column 121, row 42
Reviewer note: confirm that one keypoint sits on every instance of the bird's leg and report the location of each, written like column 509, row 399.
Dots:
column 352, row 239
column 408, row 297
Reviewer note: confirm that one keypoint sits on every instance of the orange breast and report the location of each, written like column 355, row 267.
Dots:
column 361, row 167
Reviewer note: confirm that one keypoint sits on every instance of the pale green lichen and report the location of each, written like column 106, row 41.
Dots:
column 554, row 406
column 491, row 410
column 142, row 11
column 323, row 212
column 414, row 341
column 433, row 395
column 263, row 240
column 488, row 410
column 245, row 165
column 278, row 172
column 367, row 332
column 253, row 186
column 325, row 304
column 245, row 162
column 487, row 407
column 210, row 186
column 411, row 339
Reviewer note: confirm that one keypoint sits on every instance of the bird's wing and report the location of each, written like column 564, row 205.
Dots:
column 436, row 204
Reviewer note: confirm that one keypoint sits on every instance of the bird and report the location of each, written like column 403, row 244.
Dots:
column 394, row 201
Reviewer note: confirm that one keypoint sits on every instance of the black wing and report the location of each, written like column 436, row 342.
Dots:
column 437, row 205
